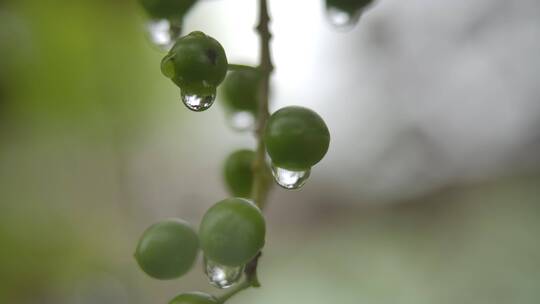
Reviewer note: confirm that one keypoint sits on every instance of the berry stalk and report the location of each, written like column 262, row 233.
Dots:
column 238, row 67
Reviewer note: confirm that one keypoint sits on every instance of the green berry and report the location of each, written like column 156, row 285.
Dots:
column 167, row 9
column 194, row 298
column 296, row 138
column 232, row 232
column 240, row 90
column 352, row 7
column 238, row 172
column 167, row 249
column 196, row 63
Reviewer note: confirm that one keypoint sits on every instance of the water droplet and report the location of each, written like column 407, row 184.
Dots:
column 221, row 276
column 289, row 179
column 242, row 120
column 163, row 33
column 196, row 102
column 341, row 19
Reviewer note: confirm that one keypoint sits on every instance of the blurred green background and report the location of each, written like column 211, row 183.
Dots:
column 430, row 192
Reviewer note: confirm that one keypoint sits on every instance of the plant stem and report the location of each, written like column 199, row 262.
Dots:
column 239, row 67
column 261, row 179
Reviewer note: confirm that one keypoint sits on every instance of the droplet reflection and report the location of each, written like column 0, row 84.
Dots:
column 241, row 121
column 221, row 276
column 198, row 103
column 163, row 33
column 341, row 19
column 289, row 179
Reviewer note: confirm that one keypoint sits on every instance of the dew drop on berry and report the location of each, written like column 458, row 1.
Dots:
column 222, row 276
column 162, row 33
column 341, row 19
column 241, row 121
column 196, row 102
column 289, row 179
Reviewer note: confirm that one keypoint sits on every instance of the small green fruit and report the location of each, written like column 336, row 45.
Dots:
column 194, row 298
column 167, row 249
column 238, row 172
column 296, row 138
column 232, row 232
column 196, row 63
column 351, row 7
column 167, row 9
column 240, row 90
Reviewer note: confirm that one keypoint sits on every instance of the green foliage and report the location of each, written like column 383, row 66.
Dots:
column 194, row 298
column 296, row 138
column 232, row 232
column 238, row 172
column 167, row 249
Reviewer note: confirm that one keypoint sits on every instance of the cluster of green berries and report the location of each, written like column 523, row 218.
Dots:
column 231, row 233
column 296, row 138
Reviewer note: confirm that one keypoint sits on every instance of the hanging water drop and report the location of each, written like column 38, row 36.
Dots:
column 222, row 276
column 341, row 19
column 241, row 120
column 163, row 33
column 196, row 102
column 289, row 179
